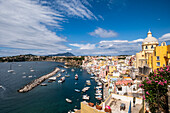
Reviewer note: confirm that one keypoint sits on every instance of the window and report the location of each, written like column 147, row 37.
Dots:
column 157, row 58
column 146, row 47
column 163, row 65
column 157, row 63
column 152, row 47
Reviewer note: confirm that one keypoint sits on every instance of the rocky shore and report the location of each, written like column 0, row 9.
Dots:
column 37, row 81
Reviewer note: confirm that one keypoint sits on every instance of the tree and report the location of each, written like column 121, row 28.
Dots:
column 155, row 87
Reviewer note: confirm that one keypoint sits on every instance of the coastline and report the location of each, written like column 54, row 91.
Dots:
column 37, row 81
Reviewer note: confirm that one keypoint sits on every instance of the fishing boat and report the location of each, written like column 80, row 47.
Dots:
column 10, row 69
column 43, row 84
column 67, row 75
column 52, row 78
column 61, row 80
column 68, row 100
column 86, row 97
column 76, row 77
column 59, row 75
column 76, row 90
column 88, row 82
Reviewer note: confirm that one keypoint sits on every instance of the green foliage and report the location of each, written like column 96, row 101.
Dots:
column 155, row 87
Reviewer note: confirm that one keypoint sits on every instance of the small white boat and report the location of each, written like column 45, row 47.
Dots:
column 75, row 110
column 86, row 97
column 52, row 78
column 85, row 89
column 80, row 69
column 76, row 77
column 72, row 70
column 23, row 73
column 43, row 84
column 67, row 75
column 68, row 100
column 62, row 70
column 23, row 76
column 88, row 82
column 98, row 94
column 99, row 83
column 76, row 90
column 99, row 87
column 92, row 77
column 19, row 65
column 29, row 76
column 32, row 70
column 61, row 80
column 10, row 71
column 75, row 83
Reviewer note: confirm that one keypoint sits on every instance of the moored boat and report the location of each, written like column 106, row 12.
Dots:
column 52, row 78
column 86, row 97
column 62, row 70
column 72, row 70
column 88, row 82
column 68, row 100
column 61, row 80
column 77, row 90
column 43, row 84
column 76, row 77
column 59, row 75
column 67, row 75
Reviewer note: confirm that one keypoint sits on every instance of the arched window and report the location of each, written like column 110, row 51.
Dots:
column 151, row 46
column 146, row 47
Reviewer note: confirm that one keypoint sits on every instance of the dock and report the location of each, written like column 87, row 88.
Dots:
column 37, row 81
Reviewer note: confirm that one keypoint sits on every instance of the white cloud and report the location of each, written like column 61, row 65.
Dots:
column 23, row 24
column 100, row 17
column 74, row 8
column 165, row 37
column 84, row 46
column 99, row 32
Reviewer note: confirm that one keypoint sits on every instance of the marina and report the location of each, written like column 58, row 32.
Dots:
column 57, row 93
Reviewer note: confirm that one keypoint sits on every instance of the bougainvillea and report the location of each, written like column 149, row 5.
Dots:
column 155, row 87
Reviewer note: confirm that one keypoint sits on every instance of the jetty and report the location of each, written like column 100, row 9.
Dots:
column 37, row 81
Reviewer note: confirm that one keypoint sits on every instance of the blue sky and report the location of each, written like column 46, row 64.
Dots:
column 83, row 27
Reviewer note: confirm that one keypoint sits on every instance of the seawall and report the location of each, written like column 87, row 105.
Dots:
column 37, row 81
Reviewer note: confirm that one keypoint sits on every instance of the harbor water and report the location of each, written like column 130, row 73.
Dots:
column 41, row 99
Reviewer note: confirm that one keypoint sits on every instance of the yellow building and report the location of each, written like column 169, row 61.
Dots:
column 143, row 58
column 161, row 56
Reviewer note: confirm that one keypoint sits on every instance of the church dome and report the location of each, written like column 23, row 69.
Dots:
column 150, row 39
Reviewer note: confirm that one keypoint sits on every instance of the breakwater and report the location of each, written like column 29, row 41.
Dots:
column 37, row 81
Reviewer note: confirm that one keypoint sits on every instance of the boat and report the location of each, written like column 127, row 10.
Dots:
column 98, row 98
column 62, row 70
column 32, row 70
column 75, row 83
column 92, row 77
column 85, row 89
column 59, row 75
column 75, row 110
column 72, row 70
column 80, row 69
column 30, row 76
column 52, row 78
column 19, row 65
column 77, row 90
column 43, row 84
column 76, row 77
column 99, row 83
column 98, row 87
column 98, row 94
column 86, row 97
column 67, row 75
column 51, row 81
column 68, row 100
column 61, row 80
column 66, row 67
column 23, row 76
column 10, row 69
column 88, row 82
column 23, row 73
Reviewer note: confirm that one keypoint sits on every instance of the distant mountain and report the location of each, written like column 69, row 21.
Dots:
column 63, row 54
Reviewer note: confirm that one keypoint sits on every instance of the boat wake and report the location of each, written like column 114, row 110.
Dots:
column 2, row 87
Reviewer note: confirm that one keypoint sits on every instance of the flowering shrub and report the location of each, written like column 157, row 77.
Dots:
column 155, row 87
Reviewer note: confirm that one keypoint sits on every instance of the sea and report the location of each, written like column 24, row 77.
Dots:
column 41, row 99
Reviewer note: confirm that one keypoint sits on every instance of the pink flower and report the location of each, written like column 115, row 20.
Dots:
column 156, row 81
column 161, row 70
column 144, row 97
column 161, row 83
column 148, row 82
column 141, row 85
column 165, row 82
column 154, row 75
column 147, row 79
column 147, row 93
column 167, row 69
column 155, row 71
